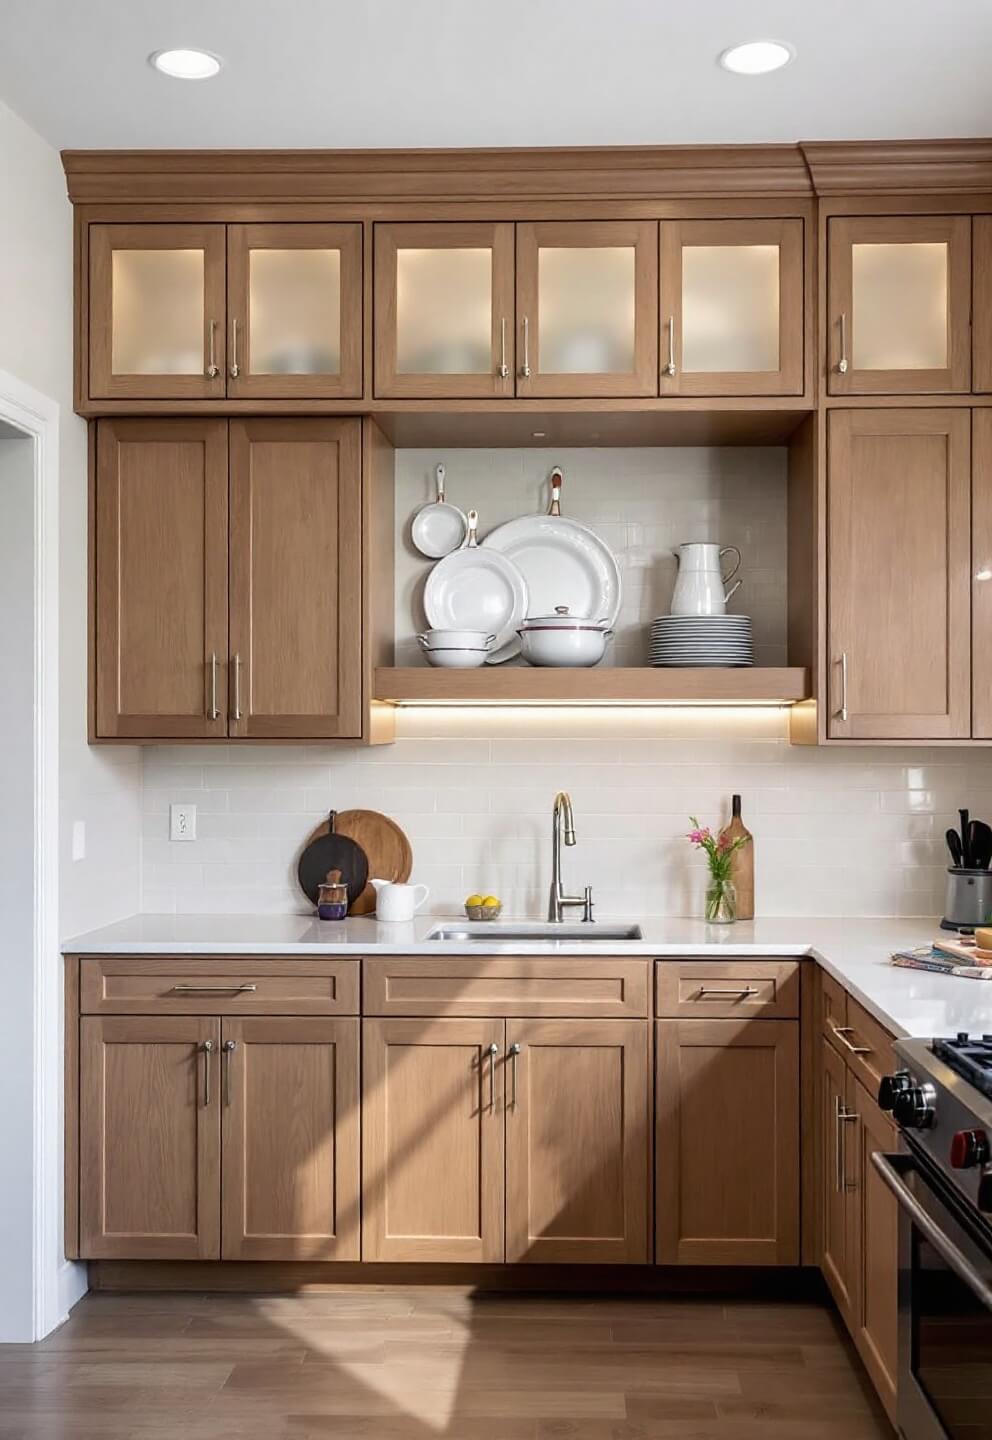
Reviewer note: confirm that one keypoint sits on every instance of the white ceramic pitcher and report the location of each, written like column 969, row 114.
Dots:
column 701, row 586
column 395, row 902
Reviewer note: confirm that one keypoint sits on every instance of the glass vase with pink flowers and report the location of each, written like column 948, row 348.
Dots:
column 720, row 905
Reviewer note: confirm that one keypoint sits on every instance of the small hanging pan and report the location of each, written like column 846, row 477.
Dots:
column 439, row 527
column 326, row 850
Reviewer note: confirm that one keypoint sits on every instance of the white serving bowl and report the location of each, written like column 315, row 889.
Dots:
column 455, row 639
column 457, row 657
column 562, row 639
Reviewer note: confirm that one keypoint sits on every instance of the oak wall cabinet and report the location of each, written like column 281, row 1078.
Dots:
column 899, row 574
column 732, row 307
column 982, row 304
column 228, row 579
column 899, row 305
column 188, row 311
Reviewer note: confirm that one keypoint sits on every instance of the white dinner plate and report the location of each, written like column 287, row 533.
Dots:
column 476, row 589
column 563, row 563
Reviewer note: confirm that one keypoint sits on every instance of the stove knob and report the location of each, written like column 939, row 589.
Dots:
column 985, row 1194
column 916, row 1108
column 969, row 1148
column 892, row 1086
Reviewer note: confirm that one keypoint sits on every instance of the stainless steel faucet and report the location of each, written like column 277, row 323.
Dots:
column 558, row 902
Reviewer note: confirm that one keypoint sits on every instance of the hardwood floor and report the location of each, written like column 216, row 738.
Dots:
column 437, row 1364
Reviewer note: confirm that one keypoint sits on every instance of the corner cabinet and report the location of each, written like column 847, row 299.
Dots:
column 227, row 579
column 208, row 312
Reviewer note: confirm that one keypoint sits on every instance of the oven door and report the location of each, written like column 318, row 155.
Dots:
column 945, row 1308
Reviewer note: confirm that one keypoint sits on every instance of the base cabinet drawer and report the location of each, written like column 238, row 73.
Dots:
column 727, row 989
column 584, row 987
column 727, row 1142
column 201, row 986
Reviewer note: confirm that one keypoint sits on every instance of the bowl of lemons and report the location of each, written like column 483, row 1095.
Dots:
column 483, row 907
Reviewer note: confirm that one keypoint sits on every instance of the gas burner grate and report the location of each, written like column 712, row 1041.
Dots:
column 971, row 1059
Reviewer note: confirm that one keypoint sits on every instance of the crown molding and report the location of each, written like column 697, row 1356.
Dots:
column 899, row 167
column 387, row 176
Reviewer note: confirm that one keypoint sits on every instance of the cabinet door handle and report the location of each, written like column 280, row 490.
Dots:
column 525, row 367
column 842, row 1032
column 842, row 712
column 213, row 989
column 213, row 713
column 504, row 369
column 213, row 369
column 237, row 687
column 842, row 1116
column 842, row 362
column 513, row 1052
column 208, row 1050
column 235, row 370
column 492, row 1052
column 229, row 1048
column 703, row 992
column 670, row 367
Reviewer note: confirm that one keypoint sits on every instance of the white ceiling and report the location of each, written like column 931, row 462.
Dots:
column 351, row 73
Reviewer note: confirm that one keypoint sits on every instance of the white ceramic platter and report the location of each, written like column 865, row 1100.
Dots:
column 477, row 589
column 563, row 563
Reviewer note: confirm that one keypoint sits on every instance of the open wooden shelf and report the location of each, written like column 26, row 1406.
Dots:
column 525, row 684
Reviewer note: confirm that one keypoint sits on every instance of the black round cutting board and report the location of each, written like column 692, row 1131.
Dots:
column 324, row 851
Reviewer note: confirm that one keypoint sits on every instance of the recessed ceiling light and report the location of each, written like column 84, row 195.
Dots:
column 757, row 57
column 185, row 64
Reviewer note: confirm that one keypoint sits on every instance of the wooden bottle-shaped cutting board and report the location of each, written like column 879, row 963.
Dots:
column 742, row 865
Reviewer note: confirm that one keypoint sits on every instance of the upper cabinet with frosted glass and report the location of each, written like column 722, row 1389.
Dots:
column 732, row 307
column 202, row 312
column 444, row 316
column 899, row 305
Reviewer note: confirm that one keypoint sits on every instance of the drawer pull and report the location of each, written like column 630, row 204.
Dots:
column 705, row 993
column 842, row 1032
column 213, row 989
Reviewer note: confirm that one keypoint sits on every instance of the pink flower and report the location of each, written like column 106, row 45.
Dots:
column 700, row 836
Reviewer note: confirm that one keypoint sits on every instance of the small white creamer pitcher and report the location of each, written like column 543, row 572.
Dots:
column 395, row 902
column 701, row 586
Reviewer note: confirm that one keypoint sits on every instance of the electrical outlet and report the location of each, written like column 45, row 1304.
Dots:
column 182, row 822
column 79, row 839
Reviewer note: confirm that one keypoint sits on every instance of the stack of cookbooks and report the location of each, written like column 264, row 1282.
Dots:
column 958, row 956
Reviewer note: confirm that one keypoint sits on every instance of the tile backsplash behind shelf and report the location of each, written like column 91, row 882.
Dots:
column 641, row 501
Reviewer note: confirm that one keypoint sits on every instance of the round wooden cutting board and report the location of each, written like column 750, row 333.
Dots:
column 388, row 849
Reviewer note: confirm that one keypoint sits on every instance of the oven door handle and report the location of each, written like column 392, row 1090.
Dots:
column 944, row 1246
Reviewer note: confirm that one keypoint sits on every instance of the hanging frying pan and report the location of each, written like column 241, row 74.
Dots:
column 326, row 850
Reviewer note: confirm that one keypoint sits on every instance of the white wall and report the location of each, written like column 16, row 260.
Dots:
column 838, row 832
column 100, row 788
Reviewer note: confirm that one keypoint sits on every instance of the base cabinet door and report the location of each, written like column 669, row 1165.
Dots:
column 875, row 1226
column 290, row 1149
column 432, row 1140
column 576, row 1096
column 836, row 1213
column 149, row 1130
column 727, row 1142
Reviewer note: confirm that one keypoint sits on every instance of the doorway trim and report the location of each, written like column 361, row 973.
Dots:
column 37, row 417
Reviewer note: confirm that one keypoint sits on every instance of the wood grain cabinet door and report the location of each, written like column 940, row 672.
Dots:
column 290, row 1150
column 899, row 574
column 837, row 1214
column 587, row 308
column 296, row 579
column 732, row 307
column 982, row 305
column 981, row 570
column 875, row 1230
column 156, row 312
column 432, row 1140
column 577, row 1144
column 727, row 1142
column 160, row 623
column 899, row 305
column 149, row 1129
column 295, row 311
column 444, row 310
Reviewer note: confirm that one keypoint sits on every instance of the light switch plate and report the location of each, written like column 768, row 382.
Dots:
column 182, row 822
column 79, row 839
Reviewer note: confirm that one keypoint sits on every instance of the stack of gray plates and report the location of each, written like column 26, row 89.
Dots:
column 701, row 640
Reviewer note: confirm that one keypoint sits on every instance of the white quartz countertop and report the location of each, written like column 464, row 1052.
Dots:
column 855, row 952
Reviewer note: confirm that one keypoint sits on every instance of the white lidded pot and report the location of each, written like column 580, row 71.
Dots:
column 563, row 639
column 701, row 586
column 395, row 902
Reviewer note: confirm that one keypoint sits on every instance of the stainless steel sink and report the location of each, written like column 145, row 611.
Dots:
column 483, row 931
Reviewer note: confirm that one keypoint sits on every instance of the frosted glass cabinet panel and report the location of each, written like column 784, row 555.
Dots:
column 587, row 308
column 732, row 307
column 156, row 296
column 899, row 294
column 296, row 310
column 444, row 310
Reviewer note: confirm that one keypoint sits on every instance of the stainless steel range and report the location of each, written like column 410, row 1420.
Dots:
column 942, row 1179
